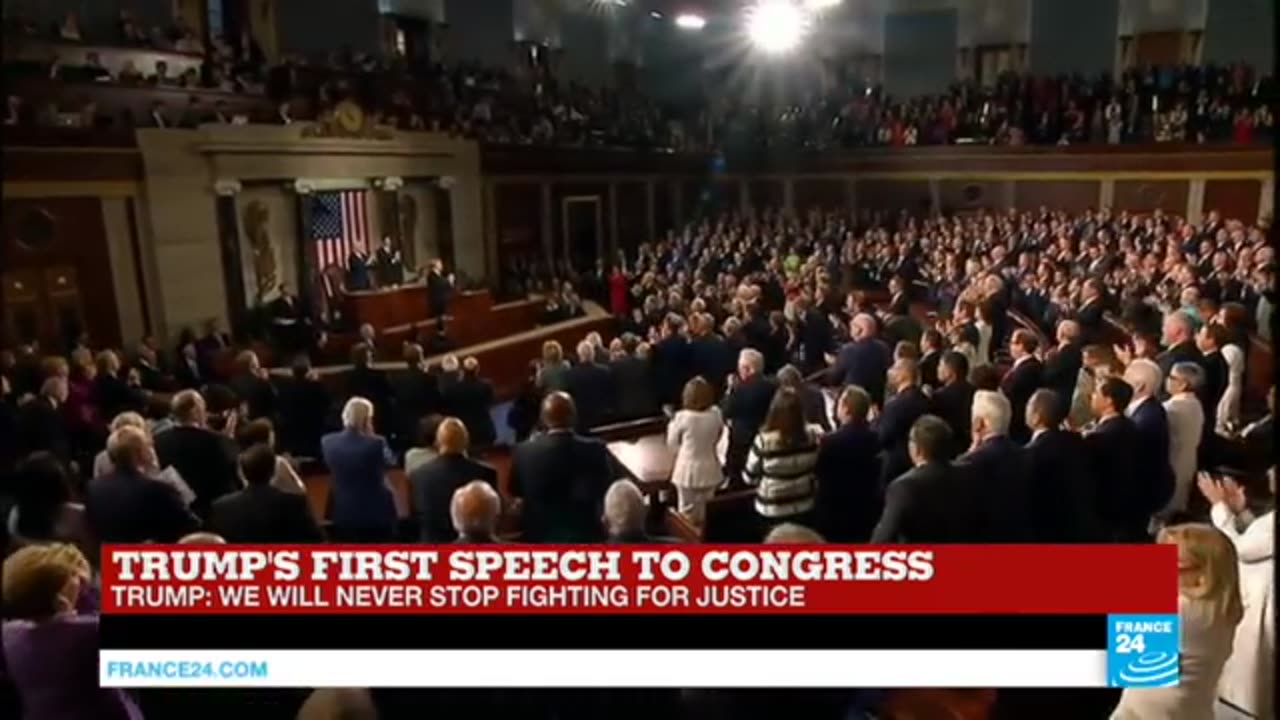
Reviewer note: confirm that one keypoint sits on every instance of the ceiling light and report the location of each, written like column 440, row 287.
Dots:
column 689, row 21
column 776, row 26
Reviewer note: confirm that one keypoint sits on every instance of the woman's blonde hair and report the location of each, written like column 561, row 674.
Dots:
column 1208, row 570
column 37, row 576
column 698, row 395
column 552, row 352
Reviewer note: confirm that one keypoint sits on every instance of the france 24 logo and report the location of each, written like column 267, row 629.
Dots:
column 1142, row 651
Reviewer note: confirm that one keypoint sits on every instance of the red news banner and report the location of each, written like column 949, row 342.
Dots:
column 639, row 579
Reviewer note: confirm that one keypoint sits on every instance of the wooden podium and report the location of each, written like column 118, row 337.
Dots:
column 402, row 306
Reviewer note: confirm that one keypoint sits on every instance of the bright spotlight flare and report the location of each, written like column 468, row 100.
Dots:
column 819, row 5
column 689, row 21
column 776, row 26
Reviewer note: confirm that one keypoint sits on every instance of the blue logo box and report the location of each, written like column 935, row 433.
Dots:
column 1142, row 651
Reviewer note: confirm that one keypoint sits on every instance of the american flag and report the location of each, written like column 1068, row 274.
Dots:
column 339, row 221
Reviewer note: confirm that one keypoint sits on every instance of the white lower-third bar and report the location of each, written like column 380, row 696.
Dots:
column 602, row 668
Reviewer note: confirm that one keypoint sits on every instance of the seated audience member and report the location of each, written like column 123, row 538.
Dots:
column 590, row 384
column 1186, row 425
column 954, row 399
column 928, row 503
column 848, row 472
column 43, row 510
column 815, row 406
column 128, row 505
column 560, row 477
column 906, row 403
column 745, row 406
column 792, row 534
column 363, row 506
column 1023, row 379
column 50, row 652
column 1113, row 464
column 262, row 512
column 474, row 511
column 433, row 483
column 625, row 511
column 304, row 410
column 261, row 432
column 781, row 462
column 1154, row 473
column 252, row 385
column 996, row 471
column 39, row 426
column 693, row 433
column 1209, row 611
column 469, row 397
column 205, row 459
column 1063, row 505
column 1244, row 510
column 425, row 451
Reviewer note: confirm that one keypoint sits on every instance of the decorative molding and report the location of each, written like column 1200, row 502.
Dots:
column 303, row 187
column 226, row 187
column 390, row 184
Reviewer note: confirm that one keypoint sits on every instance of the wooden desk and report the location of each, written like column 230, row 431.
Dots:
column 647, row 460
column 406, row 306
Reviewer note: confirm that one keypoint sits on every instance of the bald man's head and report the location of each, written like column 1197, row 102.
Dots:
column 557, row 411
column 474, row 510
column 452, row 437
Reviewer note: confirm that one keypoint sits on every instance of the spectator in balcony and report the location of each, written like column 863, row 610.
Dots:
column 69, row 28
column 161, row 75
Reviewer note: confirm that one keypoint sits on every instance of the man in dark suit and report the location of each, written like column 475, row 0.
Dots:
column 560, row 478
column 210, row 347
column 304, row 411
column 359, row 269
column 1154, row 471
column 252, row 385
column 929, row 503
column 363, row 506
column 188, row 371
column 996, row 472
column 205, row 459
column 417, row 394
column 1063, row 506
column 899, row 303
column 864, row 360
column 39, row 425
column 745, row 407
column 261, row 513
column 111, row 393
column 633, row 381
column 848, row 472
column 439, row 288
column 290, row 327
column 953, row 401
column 128, row 505
column 709, row 355
column 1090, row 314
column 364, row 380
column 434, row 483
column 470, row 398
column 816, row 336
column 1209, row 342
column 1113, row 463
column 671, row 367
column 591, row 387
column 1022, row 379
column 893, row 425
column 388, row 265
column 1180, row 342
column 1062, row 364
column 930, row 357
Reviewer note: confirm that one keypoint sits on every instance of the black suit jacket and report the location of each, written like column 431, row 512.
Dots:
column 816, row 340
column 744, row 410
column 894, row 425
column 712, row 358
column 997, row 473
column 1113, row 468
column 863, row 363
column 189, row 376
column 372, row 385
column 1061, row 370
column 205, row 459
column 848, row 472
column 928, row 504
column 417, row 394
column 591, row 387
column 633, row 383
column 127, row 508
column 258, row 393
column 929, row 368
column 1091, row 318
column 264, row 514
column 304, row 413
column 433, row 485
column 671, row 369
column 470, row 400
column 1186, row 352
column 1215, row 384
column 1154, row 473
column 1018, row 385
column 1063, row 503
column 954, row 404
column 562, row 478
column 112, row 396
column 39, row 426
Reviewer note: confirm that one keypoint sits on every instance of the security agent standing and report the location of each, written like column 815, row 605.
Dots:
column 439, row 287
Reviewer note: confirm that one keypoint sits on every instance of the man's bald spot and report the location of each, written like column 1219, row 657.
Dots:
column 474, row 508
column 557, row 410
column 452, row 436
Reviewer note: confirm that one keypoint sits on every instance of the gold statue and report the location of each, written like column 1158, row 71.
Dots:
column 265, row 275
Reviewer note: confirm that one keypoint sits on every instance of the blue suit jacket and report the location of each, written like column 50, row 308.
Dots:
column 1155, row 474
column 863, row 363
column 358, row 463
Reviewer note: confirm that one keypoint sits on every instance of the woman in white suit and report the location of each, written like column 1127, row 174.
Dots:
column 693, row 433
column 1248, row 681
column 1186, row 423
column 1209, row 610
column 1228, row 417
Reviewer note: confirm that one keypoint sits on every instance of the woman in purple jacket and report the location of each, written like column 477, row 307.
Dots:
column 48, row 652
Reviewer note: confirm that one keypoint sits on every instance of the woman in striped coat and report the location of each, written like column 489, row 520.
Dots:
column 781, row 462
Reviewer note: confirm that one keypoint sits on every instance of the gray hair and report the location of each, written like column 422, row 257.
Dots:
column 475, row 523
column 993, row 409
column 752, row 359
column 126, row 447
column 624, row 507
column 449, row 363
column 789, row 533
column 357, row 413
column 128, row 418
column 1144, row 375
column 586, row 351
column 1189, row 373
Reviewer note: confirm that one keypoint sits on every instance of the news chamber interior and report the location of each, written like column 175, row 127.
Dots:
column 637, row 359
